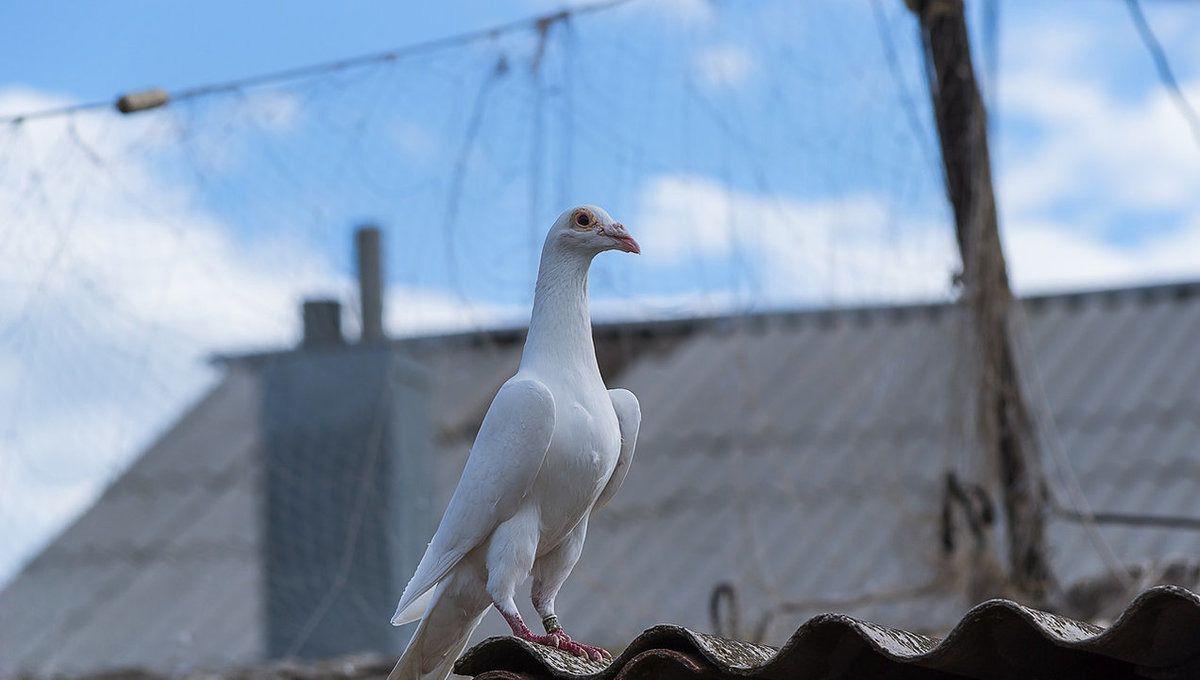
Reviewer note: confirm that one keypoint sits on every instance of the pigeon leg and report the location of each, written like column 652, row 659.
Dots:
column 566, row 644
column 550, row 571
column 520, row 630
column 510, row 558
column 556, row 637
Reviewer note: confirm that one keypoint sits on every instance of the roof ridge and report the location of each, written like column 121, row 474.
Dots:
column 1137, row 293
column 686, row 325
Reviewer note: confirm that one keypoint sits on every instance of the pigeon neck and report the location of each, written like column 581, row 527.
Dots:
column 560, row 329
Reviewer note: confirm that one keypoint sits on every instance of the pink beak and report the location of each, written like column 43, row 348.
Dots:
column 626, row 244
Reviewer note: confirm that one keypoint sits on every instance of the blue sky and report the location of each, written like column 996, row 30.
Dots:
column 761, row 151
column 93, row 50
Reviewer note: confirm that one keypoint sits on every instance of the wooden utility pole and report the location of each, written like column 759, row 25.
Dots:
column 1003, row 418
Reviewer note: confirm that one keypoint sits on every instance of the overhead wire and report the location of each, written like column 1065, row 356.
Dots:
column 1162, row 65
column 328, row 67
column 1049, row 437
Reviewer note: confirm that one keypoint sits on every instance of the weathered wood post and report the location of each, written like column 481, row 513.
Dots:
column 1003, row 419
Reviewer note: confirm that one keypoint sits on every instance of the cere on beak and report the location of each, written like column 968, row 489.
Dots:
column 625, row 242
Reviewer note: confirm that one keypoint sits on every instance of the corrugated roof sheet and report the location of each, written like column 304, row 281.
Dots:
column 812, row 472
column 1154, row 638
column 162, row 570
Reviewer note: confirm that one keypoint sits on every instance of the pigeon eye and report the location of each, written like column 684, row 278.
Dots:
column 583, row 219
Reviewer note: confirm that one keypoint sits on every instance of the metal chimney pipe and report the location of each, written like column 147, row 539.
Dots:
column 370, row 283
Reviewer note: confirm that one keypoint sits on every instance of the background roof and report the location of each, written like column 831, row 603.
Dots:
column 811, row 475
column 812, row 471
column 164, row 568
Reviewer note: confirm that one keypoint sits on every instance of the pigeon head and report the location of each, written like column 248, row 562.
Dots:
column 591, row 230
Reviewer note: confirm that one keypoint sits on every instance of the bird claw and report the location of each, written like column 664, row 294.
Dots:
column 560, row 640
column 598, row 654
column 570, row 646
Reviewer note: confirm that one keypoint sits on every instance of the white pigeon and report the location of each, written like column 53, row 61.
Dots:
column 555, row 445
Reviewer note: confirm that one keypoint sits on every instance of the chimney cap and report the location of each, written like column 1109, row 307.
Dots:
column 322, row 323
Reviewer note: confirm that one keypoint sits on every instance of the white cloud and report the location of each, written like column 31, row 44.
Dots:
column 117, row 285
column 1136, row 155
column 419, row 312
column 844, row 251
column 834, row 250
column 724, row 66
column 1105, row 193
column 1132, row 152
column 414, row 140
column 1055, row 44
column 1045, row 256
column 277, row 111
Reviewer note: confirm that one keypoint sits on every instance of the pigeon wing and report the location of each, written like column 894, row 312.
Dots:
column 629, row 419
column 504, row 461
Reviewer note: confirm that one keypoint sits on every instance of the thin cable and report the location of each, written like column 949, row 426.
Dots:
column 57, row 112
column 991, row 49
column 458, row 176
column 905, row 97
column 991, row 57
column 353, row 531
column 534, row 22
column 1043, row 416
column 1132, row 519
column 1165, row 73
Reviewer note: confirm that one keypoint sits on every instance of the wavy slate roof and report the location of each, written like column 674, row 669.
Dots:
column 1155, row 637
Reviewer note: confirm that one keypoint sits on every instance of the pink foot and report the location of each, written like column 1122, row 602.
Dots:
column 560, row 640
column 557, row 639
column 579, row 648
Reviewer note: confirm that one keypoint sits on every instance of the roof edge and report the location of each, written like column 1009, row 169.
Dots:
column 969, row 650
column 686, row 325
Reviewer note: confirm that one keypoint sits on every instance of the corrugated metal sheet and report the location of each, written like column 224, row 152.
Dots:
column 137, row 579
column 1154, row 638
column 811, row 472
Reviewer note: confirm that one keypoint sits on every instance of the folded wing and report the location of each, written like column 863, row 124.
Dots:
column 504, row 461
column 629, row 419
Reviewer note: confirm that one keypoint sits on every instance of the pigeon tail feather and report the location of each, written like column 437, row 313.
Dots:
column 419, row 591
column 453, row 613
column 414, row 610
